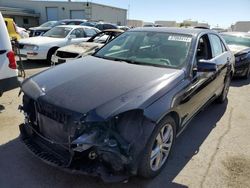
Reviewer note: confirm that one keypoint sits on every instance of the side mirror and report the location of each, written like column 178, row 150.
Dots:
column 71, row 37
column 206, row 66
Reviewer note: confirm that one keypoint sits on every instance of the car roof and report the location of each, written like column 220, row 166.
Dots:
column 76, row 26
column 113, row 30
column 187, row 31
column 102, row 23
column 72, row 20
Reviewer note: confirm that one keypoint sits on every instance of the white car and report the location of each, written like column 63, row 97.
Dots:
column 75, row 51
column 8, row 66
column 22, row 32
column 43, row 47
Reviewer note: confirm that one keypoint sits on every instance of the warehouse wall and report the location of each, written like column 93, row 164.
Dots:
column 19, row 20
column 92, row 11
column 242, row 26
column 109, row 14
column 166, row 23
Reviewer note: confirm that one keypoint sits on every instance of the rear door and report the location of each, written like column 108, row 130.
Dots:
column 222, row 58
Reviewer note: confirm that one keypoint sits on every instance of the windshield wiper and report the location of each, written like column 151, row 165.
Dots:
column 134, row 62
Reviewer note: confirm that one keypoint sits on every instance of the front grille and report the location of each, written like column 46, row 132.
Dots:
column 53, row 122
column 63, row 54
column 50, row 121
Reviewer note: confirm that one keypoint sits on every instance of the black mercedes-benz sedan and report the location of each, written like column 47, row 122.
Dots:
column 239, row 44
column 118, row 112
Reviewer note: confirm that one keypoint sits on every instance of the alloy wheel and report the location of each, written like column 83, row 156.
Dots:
column 161, row 147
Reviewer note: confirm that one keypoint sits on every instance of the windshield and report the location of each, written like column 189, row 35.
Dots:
column 237, row 40
column 148, row 48
column 58, row 32
column 49, row 24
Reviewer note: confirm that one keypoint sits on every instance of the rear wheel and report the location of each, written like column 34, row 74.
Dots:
column 158, row 148
column 223, row 96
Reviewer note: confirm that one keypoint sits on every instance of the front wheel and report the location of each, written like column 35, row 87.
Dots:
column 158, row 148
column 246, row 76
column 221, row 99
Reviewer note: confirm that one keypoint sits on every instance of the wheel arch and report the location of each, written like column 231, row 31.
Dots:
column 52, row 49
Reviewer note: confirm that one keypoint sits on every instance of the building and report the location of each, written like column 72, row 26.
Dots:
column 58, row 10
column 22, row 17
column 134, row 23
column 166, row 23
column 242, row 26
column 190, row 23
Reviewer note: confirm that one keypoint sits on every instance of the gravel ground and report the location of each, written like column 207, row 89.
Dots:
column 214, row 151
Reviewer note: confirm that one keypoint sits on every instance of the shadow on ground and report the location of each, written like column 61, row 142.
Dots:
column 20, row 169
column 28, row 64
column 239, row 82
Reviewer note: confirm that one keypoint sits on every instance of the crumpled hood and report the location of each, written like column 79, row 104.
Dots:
column 101, row 86
column 41, row 40
column 81, row 47
column 236, row 49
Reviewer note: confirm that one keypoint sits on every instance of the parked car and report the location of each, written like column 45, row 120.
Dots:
column 90, row 24
column 124, row 28
column 22, row 32
column 76, row 51
column 239, row 44
column 8, row 66
column 118, row 113
column 105, row 26
column 12, row 29
column 40, row 30
column 43, row 47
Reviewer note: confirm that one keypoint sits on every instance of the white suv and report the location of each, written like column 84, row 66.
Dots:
column 8, row 66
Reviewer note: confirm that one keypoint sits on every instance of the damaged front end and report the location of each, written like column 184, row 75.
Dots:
column 73, row 141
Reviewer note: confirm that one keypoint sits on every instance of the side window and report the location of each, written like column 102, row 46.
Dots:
column 89, row 32
column 215, row 45
column 6, row 23
column 79, row 33
column 204, row 49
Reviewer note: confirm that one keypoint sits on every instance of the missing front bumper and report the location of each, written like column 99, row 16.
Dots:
column 66, row 159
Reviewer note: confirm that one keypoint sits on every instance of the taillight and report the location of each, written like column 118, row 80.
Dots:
column 12, row 60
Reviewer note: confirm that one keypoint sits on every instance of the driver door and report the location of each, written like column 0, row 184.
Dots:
column 198, row 91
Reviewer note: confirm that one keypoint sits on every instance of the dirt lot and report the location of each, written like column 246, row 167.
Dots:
column 214, row 151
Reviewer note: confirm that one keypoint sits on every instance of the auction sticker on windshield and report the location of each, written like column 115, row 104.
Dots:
column 179, row 38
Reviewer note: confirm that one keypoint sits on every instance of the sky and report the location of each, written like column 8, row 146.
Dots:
column 215, row 12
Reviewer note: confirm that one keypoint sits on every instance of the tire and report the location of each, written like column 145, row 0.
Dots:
column 223, row 96
column 50, row 53
column 246, row 76
column 148, row 167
